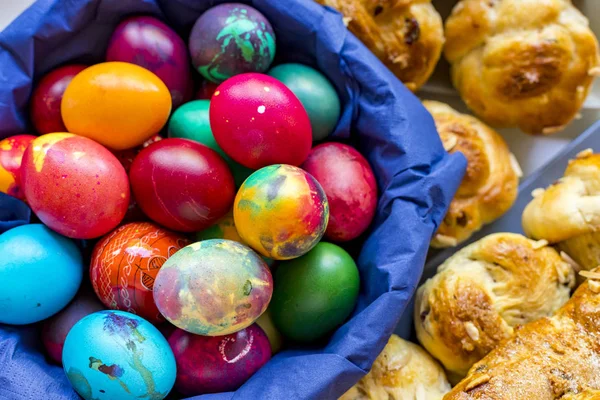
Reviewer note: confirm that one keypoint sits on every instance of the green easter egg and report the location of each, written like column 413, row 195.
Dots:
column 317, row 94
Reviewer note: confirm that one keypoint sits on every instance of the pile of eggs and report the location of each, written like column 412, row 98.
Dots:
column 207, row 254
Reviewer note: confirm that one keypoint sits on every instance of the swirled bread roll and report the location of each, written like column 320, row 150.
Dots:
column 489, row 187
column 552, row 358
column 525, row 63
column 406, row 35
column 568, row 212
column 403, row 371
column 481, row 293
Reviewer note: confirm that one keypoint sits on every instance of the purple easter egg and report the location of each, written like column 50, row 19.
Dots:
column 149, row 43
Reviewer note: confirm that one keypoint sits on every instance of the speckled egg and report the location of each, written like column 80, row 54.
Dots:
column 11, row 155
column 231, row 39
column 74, row 185
column 281, row 211
column 212, row 364
column 125, row 264
column 112, row 355
column 149, row 43
column 40, row 272
column 214, row 287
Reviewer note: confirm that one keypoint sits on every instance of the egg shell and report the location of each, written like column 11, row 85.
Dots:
column 350, row 186
column 11, row 155
column 125, row 263
column 74, row 185
column 55, row 329
column 214, row 287
column 117, row 104
column 181, row 184
column 206, row 90
column 258, row 121
column 148, row 42
column 215, row 364
column 315, row 293
column 40, row 272
column 231, row 39
column 315, row 92
column 265, row 321
column 47, row 96
column 112, row 355
column 191, row 121
column 281, row 211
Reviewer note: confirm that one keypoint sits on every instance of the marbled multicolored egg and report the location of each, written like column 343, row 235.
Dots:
column 11, row 155
column 40, row 272
column 214, row 287
column 231, row 39
column 117, row 355
column 149, row 43
column 74, row 185
column 117, row 104
column 350, row 186
column 281, row 211
column 47, row 96
column 182, row 184
column 125, row 264
column 212, row 364
column 258, row 121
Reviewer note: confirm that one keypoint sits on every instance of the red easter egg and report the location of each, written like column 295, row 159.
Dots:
column 258, row 121
column 47, row 96
column 182, row 184
column 211, row 364
column 74, row 185
column 125, row 263
column 349, row 183
column 206, row 90
column 11, row 155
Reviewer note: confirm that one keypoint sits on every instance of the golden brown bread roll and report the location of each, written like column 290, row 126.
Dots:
column 403, row 371
column 525, row 63
column 552, row 358
column 481, row 293
column 489, row 187
column 568, row 212
column 406, row 35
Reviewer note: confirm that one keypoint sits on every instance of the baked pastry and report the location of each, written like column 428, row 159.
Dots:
column 551, row 358
column 403, row 371
column 406, row 35
column 568, row 212
column 481, row 293
column 525, row 63
column 489, row 187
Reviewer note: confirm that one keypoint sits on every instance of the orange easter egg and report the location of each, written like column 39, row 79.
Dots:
column 117, row 104
column 11, row 154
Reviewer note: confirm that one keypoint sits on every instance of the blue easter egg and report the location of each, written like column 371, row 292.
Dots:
column 40, row 272
column 117, row 355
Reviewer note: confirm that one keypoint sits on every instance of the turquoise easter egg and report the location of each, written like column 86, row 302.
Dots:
column 117, row 355
column 40, row 272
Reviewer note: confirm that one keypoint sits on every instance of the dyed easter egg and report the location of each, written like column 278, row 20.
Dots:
column 214, row 287
column 55, row 329
column 212, row 364
column 11, row 155
column 281, row 212
column 117, row 355
column 191, row 121
column 317, row 94
column 125, row 263
column 182, row 184
column 350, row 186
column 265, row 321
column 231, row 39
column 149, row 43
column 74, row 185
column 315, row 293
column 40, row 272
column 206, row 90
column 46, row 98
column 117, row 104
column 259, row 122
